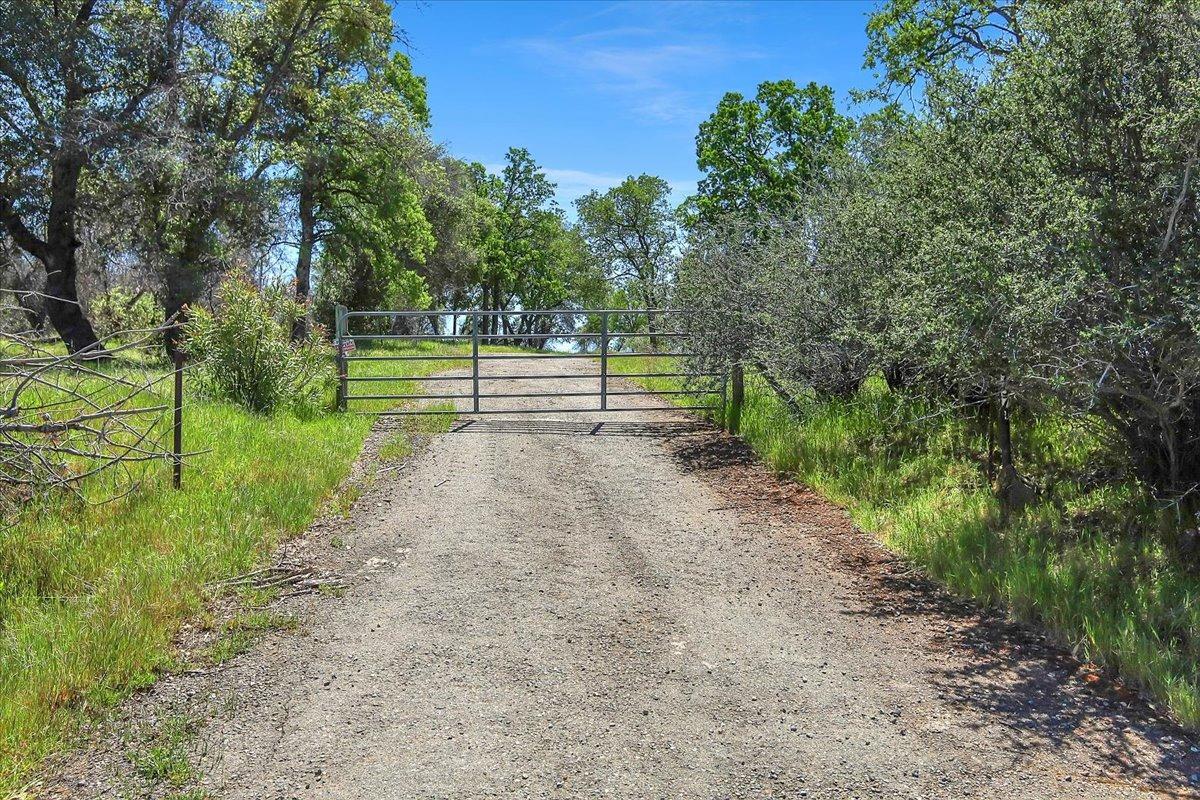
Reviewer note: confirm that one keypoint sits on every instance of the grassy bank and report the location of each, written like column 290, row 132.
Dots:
column 1087, row 563
column 91, row 595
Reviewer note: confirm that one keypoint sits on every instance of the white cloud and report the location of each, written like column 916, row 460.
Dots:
column 652, row 68
column 574, row 183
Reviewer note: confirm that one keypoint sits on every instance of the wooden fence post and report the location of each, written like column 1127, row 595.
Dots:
column 737, row 379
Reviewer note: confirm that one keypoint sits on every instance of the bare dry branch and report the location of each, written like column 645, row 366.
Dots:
column 65, row 418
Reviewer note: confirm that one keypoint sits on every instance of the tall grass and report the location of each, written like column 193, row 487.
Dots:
column 92, row 594
column 1086, row 563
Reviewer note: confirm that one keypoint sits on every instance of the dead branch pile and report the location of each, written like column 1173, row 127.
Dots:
column 288, row 577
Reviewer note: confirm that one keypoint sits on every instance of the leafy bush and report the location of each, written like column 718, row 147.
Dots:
column 122, row 310
column 246, row 353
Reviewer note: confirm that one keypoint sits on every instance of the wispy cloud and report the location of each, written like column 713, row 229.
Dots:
column 574, row 183
column 651, row 64
column 570, row 183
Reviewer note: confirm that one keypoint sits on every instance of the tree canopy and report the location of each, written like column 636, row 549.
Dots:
column 1024, row 240
column 631, row 230
column 757, row 155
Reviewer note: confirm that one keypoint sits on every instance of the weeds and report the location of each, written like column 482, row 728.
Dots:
column 397, row 447
column 166, row 760
column 240, row 633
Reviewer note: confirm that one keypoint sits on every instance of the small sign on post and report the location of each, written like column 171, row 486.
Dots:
column 347, row 346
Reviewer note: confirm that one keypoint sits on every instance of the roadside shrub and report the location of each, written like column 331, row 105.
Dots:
column 245, row 352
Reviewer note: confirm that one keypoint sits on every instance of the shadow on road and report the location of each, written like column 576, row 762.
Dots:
column 1008, row 676
column 1035, row 692
column 714, row 452
column 553, row 427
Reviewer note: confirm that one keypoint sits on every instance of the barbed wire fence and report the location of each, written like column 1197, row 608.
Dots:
column 100, row 416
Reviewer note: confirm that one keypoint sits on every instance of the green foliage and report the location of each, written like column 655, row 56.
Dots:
column 758, row 155
column 910, row 39
column 1003, row 248
column 362, row 216
column 631, row 231
column 118, row 52
column 121, row 310
column 527, row 219
column 461, row 218
column 529, row 256
column 244, row 351
column 209, row 180
column 77, row 80
column 1016, row 259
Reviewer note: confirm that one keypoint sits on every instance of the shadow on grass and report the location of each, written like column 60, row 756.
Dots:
column 999, row 675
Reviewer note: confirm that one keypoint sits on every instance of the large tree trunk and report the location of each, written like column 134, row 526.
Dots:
column 1011, row 488
column 304, row 253
column 57, row 253
column 497, row 306
column 184, row 283
column 651, row 319
column 62, row 303
column 507, row 324
column 484, row 304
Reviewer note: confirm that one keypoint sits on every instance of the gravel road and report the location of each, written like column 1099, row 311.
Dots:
column 551, row 608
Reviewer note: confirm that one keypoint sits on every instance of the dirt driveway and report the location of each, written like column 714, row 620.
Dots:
column 551, row 608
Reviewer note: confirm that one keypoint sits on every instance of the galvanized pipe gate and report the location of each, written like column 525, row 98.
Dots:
column 348, row 354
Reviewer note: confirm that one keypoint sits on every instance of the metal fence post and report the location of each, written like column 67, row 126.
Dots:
column 177, row 426
column 604, row 361
column 339, row 323
column 475, row 362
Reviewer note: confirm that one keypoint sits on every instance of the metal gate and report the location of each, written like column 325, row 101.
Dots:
column 601, row 346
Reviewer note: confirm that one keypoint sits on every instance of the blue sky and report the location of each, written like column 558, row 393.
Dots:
column 600, row 90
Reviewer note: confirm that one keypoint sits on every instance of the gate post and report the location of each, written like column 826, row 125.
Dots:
column 339, row 325
column 738, row 386
column 604, row 361
column 475, row 361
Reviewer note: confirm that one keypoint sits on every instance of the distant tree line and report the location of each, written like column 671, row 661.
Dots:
column 152, row 148
column 1013, row 232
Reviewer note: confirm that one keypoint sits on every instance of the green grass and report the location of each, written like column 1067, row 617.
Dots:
column 91, row 595
column 700, row 392
column 165, row 761
column 398, row 446
column 1087, row 563
column 240, row 633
